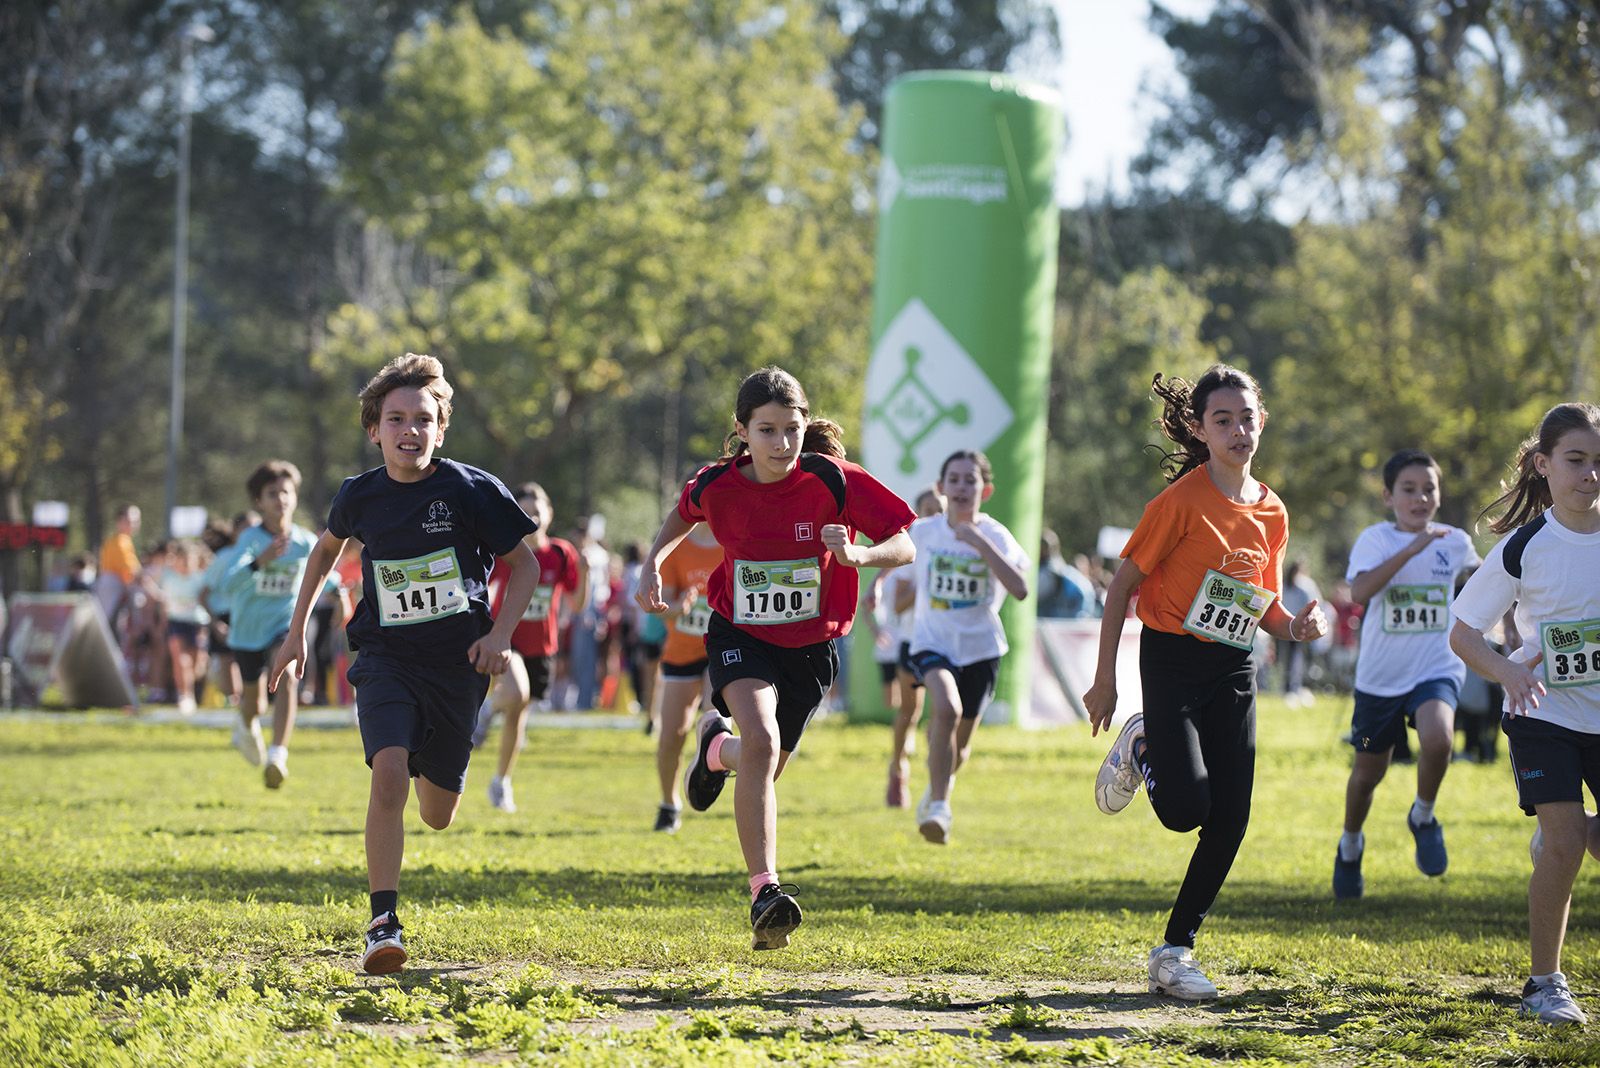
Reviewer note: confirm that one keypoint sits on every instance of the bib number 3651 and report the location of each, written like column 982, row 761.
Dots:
column 1227, row 610
column 418, row 590
column 1571, row 653
column 776, row 591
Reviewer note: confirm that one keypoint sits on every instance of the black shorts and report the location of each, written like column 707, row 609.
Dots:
column 974, row 682
column 253, row 662
column 191, row 634
column 428, row 711
column 539, row 671
column 1379, row 723
column 649, row 650
column 692, row 670
column 888, row 672
column 905, row 667
column 801, row 676
column 1551, row 763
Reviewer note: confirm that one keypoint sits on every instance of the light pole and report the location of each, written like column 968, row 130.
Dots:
column 195, row 31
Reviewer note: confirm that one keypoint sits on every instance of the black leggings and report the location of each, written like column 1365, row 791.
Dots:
column 1200, row 756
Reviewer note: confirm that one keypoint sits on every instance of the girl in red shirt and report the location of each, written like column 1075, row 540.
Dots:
column 786, row 516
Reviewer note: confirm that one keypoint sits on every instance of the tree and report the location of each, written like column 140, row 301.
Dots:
column 617, row 197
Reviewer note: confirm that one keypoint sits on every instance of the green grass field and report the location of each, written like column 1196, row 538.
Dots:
column 158, row 906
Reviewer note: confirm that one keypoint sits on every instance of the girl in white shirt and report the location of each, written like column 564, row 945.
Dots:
column 966, row 564
column 1547, row 568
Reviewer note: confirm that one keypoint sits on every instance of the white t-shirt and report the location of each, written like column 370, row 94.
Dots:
column 1560, row 584
column 958, row 600
column 1405, row 632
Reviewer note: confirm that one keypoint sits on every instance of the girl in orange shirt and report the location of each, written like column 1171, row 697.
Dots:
column 684, row 680
column 1207, row 560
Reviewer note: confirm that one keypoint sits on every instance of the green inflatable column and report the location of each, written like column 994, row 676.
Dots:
column 963, row 307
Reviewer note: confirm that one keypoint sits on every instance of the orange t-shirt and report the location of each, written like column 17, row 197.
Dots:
column 117, row 557
column 688, row 566
column 1191, row 528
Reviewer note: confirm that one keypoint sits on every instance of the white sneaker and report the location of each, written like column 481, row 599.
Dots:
column 1119, row 778
column 250, row 744
column 277, row 766
column 1174, row 973
column 1552, row 1003
column 480, row 726
column 934, row 821
column 500, row 794
column 186, row 705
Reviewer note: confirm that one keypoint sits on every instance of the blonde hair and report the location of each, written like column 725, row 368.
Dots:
column 411, row 371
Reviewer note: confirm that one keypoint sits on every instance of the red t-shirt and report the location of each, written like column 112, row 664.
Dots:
column 558, row 570
column 790, row 590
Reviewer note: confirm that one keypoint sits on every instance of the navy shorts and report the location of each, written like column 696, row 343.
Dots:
column 1379, row 723
column 692, row 670
column 974, row 682
column 428, row 711
column 904, row 664
column 801, row 676
column 887, row 673
column 253, row 662
column 1551, row 763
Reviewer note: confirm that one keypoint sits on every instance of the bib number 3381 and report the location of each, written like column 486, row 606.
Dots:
column 776, row 591
column 418, row 590
column 1227, row 610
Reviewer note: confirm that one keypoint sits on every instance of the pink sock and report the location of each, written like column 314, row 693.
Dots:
column 766, row 878
column 714, row 753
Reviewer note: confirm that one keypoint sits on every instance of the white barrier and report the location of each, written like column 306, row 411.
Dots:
column 1065, row 651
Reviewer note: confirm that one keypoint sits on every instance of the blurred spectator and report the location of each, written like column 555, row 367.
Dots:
column 1298, row 591
column 1346, row 638
column 80, row 574
column 222, row 538
column 1064, row 591
column 588, row 629
column 119, row 568
column 181, row 577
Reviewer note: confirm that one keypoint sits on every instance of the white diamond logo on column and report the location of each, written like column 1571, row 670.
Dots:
column 926, row 398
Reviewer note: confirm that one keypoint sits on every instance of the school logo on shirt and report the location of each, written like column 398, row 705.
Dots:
column 1441, row 558
column 1243, row 563
column 439, row 520
column 802, row 532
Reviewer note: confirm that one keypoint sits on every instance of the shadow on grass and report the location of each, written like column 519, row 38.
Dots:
column 1477, row 905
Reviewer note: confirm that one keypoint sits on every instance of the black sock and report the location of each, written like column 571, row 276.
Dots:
column 384, row 901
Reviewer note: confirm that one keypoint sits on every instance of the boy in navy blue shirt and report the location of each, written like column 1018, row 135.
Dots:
column 430, row 531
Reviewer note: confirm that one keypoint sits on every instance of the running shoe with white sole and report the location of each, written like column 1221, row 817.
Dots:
column 250, row 744
column 1118, row 779
column 1551, row 1002
column 386, row 951
column 1431, row 856
column 701, row 785
column 500, row 795
column 774, row 914
column 935, row 822
column 668, row 819
column 1174, row 973
column 277, row 768
column 1348, row 882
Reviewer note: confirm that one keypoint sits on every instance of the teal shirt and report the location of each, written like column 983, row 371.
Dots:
column 217, row 600
column 263, row 600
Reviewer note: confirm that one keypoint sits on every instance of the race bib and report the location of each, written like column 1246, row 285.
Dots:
column 694, row 622
column 957, row 581
column 1415, row 609
column 1571, row 653
column 538, row 609
column 276, row 582
column 776, row 591
column 1227, row 610
column 420, row 589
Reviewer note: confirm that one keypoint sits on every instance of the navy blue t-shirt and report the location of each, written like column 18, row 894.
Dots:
column 427, row 550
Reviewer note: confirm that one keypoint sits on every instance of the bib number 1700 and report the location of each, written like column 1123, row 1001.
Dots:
column 773, row 601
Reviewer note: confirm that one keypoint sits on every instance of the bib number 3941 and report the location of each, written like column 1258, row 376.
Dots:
column 420, row 589
column 1227, row 610
column 1415, row 610
column 1571, row 653
column 776, row 591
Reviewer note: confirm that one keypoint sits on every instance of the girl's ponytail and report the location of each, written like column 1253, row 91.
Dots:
column 824, row 436
column 1528, row 493
column 1183, row 406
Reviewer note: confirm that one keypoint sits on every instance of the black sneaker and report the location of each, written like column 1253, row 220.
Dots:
column 385, row 952
column 1348, row 882
column 701, row 785
column 774, row 914
column 668, row 819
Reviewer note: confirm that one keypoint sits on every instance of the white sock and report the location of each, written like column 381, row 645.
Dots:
column 1545, row 980
column 277, row 754
column 1421, row 812
column 1351, row 843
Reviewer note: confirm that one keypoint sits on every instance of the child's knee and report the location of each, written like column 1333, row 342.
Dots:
column 439, row 816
